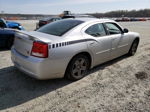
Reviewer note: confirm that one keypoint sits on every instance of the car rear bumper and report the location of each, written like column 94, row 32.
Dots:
column 38, row 68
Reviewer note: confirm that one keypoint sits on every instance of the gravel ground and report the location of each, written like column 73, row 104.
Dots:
column 122, row 84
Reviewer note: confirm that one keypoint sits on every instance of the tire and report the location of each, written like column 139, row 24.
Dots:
column 78, row 67
column 133, row 48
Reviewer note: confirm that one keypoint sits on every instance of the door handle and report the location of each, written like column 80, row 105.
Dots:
column 114, row 38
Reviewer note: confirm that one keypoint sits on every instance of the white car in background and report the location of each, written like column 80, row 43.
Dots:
column 71, row 47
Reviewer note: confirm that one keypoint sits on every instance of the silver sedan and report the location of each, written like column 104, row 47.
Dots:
column 71, row 47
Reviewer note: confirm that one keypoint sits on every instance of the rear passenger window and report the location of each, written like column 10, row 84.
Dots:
column 113, row 28
column 96, row 30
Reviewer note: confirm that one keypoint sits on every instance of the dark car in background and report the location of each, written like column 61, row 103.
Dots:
column 67, row 15
column 10, row 24
column 45, row 21
column 123, row 19
column 6, row 37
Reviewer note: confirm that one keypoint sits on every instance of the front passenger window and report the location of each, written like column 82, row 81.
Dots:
column 113, row 28
column 96, row 30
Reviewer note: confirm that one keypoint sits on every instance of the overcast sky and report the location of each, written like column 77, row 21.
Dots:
column 75, row 6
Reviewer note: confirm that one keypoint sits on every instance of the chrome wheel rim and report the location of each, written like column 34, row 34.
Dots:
column 79, row 68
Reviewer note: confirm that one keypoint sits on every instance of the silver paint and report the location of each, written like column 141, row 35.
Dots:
column 101, row 49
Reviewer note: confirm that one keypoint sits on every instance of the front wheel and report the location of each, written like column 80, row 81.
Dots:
column 133, row 48
column 78, row 67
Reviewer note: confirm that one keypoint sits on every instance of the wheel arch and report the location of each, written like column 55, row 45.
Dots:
column 80, row 53
column 136, row 38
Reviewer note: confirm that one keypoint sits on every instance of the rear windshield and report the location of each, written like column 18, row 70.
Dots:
column 59, row 28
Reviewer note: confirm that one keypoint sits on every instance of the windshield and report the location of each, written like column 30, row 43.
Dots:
column 59, row 28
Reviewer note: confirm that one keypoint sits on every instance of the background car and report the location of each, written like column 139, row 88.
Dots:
column 6, row 38
column 45, row 21
column 70, row 47
column 123, row 19
column 65, row 16
column 10, row 24
column 68, row 14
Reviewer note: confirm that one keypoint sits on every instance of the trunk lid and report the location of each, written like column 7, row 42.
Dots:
column 24, row 41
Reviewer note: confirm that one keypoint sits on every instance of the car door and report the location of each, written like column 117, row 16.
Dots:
column 119, row 39
column 6, row 37
column 3, row 37
column 2, row 24
column 99, row 44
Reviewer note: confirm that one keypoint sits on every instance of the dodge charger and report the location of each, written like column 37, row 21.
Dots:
column 70, row 47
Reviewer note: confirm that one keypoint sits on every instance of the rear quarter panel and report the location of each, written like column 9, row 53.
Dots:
column 62, row 52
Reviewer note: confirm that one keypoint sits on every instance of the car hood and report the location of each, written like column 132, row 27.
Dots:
column 12, row 23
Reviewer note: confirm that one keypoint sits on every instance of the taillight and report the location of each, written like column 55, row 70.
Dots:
column 40, row 50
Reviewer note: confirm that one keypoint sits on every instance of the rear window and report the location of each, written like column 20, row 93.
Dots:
column 59, row 28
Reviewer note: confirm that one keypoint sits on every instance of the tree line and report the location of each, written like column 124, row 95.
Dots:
column 123, row 13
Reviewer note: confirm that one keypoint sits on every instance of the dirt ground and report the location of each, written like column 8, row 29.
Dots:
column 121, row 85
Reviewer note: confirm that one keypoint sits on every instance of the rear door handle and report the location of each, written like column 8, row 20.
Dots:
column 114, row 38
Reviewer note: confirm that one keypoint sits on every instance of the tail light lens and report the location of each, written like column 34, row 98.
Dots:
column 40, row 50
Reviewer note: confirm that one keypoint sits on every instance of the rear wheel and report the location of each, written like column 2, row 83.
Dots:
column 78, row 67
column 133, row 48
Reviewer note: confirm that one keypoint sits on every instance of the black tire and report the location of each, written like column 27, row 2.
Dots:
column 78, row 67
column 133, row 48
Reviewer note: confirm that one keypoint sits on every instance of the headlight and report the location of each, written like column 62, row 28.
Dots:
column 20, row 26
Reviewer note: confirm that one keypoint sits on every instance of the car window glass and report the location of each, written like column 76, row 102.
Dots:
column 2, row 24
column 59, row 28
column 96, row 30
column 113, row 28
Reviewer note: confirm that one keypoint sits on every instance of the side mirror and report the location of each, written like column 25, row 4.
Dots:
column 125, row 30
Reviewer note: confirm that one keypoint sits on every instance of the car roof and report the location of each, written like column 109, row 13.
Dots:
column 92, row 19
